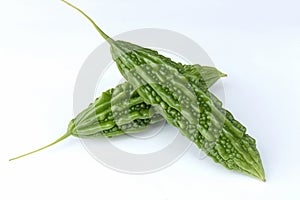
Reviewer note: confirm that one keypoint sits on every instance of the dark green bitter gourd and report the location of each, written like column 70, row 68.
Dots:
column 187, row 104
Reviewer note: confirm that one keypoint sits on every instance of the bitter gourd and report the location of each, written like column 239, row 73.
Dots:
column 187, row 104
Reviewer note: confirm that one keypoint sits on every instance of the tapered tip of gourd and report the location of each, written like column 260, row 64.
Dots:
column 262, row 177
column 211, row 71
column 258, row 171
column 261, row 171
column 222, row 74
column 253, row 172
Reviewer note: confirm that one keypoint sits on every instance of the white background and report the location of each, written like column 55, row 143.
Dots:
column 44, row 43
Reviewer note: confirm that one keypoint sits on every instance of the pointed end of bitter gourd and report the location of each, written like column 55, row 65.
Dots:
column 104, row 35
column 260, row 177
column 253, row 168
column 223, row 75
column 256, row 164
column 209, row 74
column 238, row 154
column 69, row 132
column 260, row 174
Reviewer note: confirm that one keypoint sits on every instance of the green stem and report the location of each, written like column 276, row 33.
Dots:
column 106, row 37
column 53, row 143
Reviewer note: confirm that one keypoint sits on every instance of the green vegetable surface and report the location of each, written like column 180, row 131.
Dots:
column 186, row 103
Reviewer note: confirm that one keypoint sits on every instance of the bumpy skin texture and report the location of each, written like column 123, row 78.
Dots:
column 121, row 110
column 186, row 103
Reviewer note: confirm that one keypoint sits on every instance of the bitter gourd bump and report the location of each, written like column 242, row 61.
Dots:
column 216, row 131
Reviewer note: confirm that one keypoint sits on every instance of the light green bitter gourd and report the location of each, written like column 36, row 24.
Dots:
column 186, row 103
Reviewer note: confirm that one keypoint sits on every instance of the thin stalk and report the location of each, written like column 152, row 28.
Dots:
column 106, row 37
column 49, row 145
